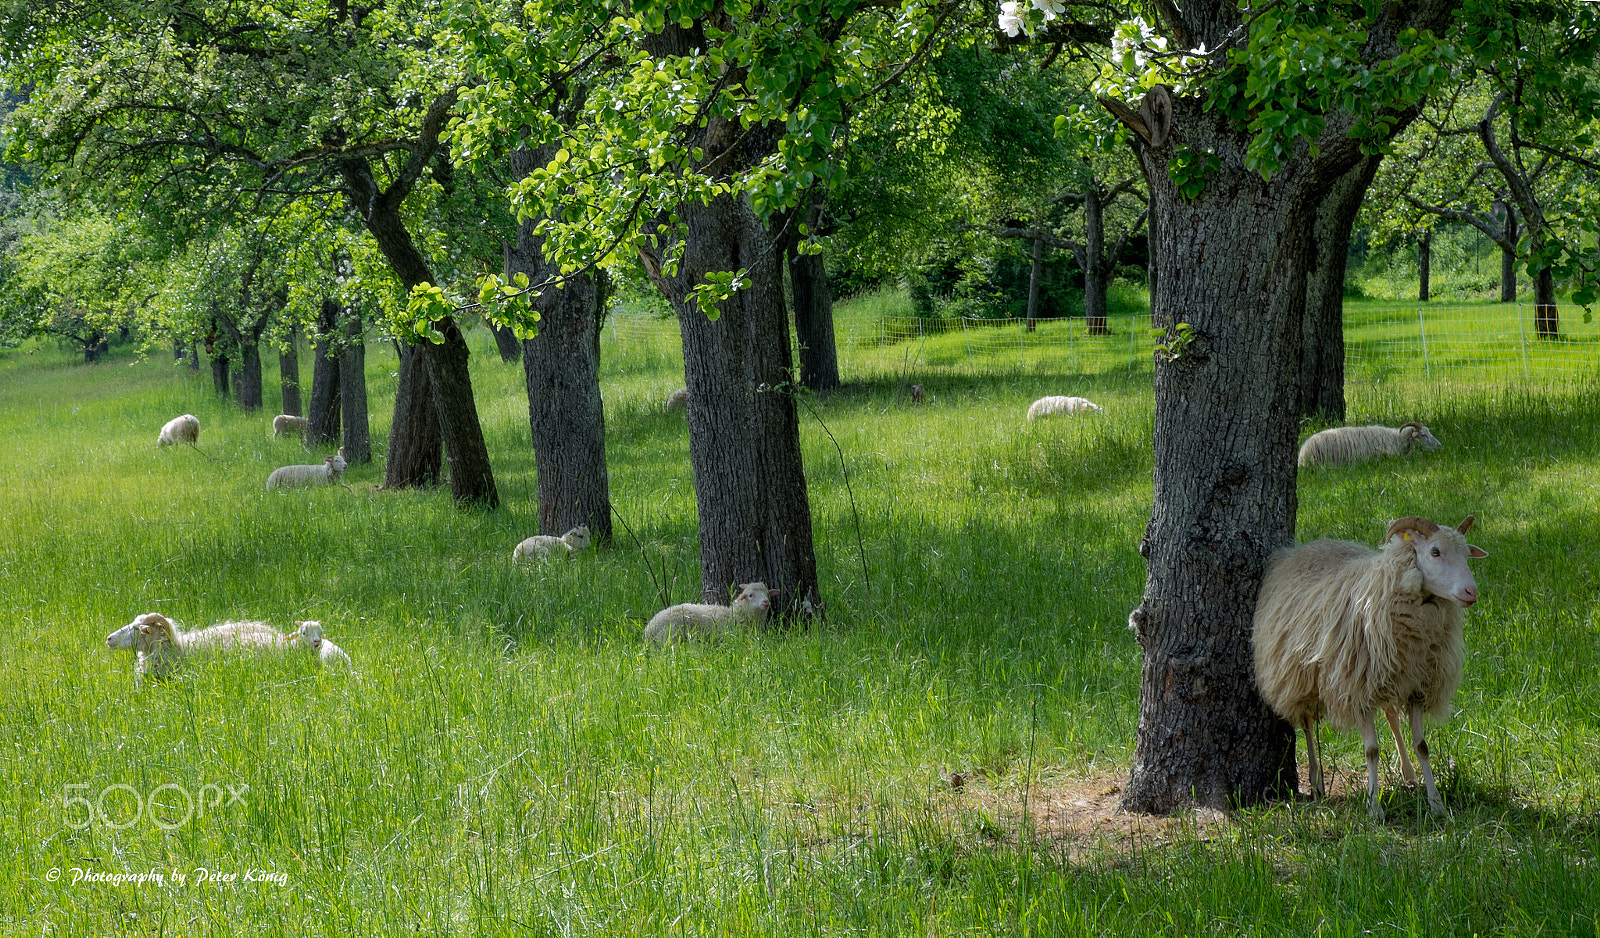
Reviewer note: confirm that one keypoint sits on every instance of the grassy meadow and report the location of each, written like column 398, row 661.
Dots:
column 509, row 759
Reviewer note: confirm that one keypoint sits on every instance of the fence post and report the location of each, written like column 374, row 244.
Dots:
column 1423, row 331
column 1522, row 332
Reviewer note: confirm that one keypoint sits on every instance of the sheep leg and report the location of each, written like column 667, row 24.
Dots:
column 1312, row 765
column 1407, row 775
column 1369, row 735
column 1435, row 803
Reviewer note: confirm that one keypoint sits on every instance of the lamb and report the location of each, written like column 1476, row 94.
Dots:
column 539, row 546
column 677, row 400
column 308, row 635
column 162, row 646
column 326, row 474
column 1050, row 406
column 1341, row 630
column 1342, row 445
column 185, row 429
column 289, row 423
column 690, row 620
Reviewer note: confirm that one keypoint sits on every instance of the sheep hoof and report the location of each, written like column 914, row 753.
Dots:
column 1375, row 811
column 1436, row 808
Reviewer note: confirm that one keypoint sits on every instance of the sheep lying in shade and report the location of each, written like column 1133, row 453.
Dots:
column 185, row 429
column 1342, row 630
column 1342, row 445
column 539, row 546
column 162, row 646
column 677, row 400
column 308, row 635
column 703, row 620
column 292, row 476
column 1050, row 406
column 285, row 424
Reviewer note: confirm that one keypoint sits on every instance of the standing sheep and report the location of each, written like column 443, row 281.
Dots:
column 1342, row 445
column 185, row 429
column 162, row 646
column 539, row 546
column 284, row 424
column 291, row 476
column 690, row 620
column 1341, row 630
column 1050, row 406
column 308, row 635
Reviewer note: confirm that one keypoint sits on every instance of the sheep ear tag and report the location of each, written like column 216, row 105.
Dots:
column 1475, row 551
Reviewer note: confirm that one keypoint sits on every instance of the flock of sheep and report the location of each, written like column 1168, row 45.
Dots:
column 1340, row 630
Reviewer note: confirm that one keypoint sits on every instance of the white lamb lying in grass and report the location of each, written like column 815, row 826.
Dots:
column 162, row 646
column 703, row 620
column 539, row 546
column 1050, row 406
column 308, row 635
column 293, row 476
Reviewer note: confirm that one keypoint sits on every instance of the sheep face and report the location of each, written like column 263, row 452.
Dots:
column 1442, row 561
column 337, row 462
column 1416, row 435
column 308, row 634
column 754, row 598
column 578, row 538
column 144, row 633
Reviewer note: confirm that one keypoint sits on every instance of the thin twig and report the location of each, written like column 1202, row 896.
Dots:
column 661, row 593
column 845, row 470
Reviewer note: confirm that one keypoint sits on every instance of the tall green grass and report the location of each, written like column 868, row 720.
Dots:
column 509, row 758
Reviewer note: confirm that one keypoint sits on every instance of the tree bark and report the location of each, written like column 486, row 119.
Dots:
column 1508, row 257
column 289, row 373
column 1035, row 273
column 1424, row 263
column 322, row 422
column 813, row 321
column 1546, row 317
column 506, row 343
column 415, row 420
column 744, row 433
column 1322, row 332
column 353, row 389
column 1095, row 269
column 247, row 380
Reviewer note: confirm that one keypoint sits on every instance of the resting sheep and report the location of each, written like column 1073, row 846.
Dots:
column 162, row 646
column 1342, row 445
column 1341, row 630
column 291, row 476
column 308, row 635
column 1050, row 406
column 677, row 400
column 539, row 546
column 185, row 429
column 691, row 620
column 288, row 423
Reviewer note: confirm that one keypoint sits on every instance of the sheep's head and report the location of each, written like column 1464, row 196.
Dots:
column 578, row 538
column 336, row 462
column 1442, row 555
column 308, row 634
column 144, row 633
column 1417, row 435
column 754, row 599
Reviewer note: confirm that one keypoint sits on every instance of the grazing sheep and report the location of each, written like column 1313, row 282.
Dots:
column 1342, row 630
column 1353, row 444
column 291, row 476
column 185, row 429
column 308, row 635
column 289, row 423
column 1050, row 406
column 678, row 400
column 162, row 645
column 539, row 546
column 916, row 394
column 689, row 620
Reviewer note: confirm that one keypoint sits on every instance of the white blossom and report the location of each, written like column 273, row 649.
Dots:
column 1010, row 21
column 1050, row 8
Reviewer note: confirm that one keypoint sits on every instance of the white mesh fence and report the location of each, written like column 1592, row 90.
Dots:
column 1499, row 345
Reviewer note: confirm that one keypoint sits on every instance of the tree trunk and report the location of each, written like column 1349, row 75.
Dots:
column 506, row 342
column 289, row 373
column 813, row 321
column 219, row 376
column 1546, row 317
column 1322, row 332
column 353, row 390
column 1508, row 257
column 248, row 378
column 1096, row 270
column 415, row 421
column 1424, row 263
column 322, row 423
column 744, row 433
column 1035, row 272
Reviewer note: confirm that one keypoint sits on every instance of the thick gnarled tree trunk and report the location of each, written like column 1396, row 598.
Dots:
column 813, row 321
column 289, row 373
column 353, row 390
column 1322, row 336
column 322, row 420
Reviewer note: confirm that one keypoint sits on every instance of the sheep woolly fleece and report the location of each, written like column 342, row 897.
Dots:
column 704, row 620
column 291, row 476
column 288, row 423
column 539, row 546
column 1050, row 406
column 1342, row 445
column 678, row 400
column 162, row 645
column 185, row 429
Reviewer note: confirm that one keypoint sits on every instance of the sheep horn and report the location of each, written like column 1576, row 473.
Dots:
column 1466, row 524
column 1411, row 424
column 1411, row 523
